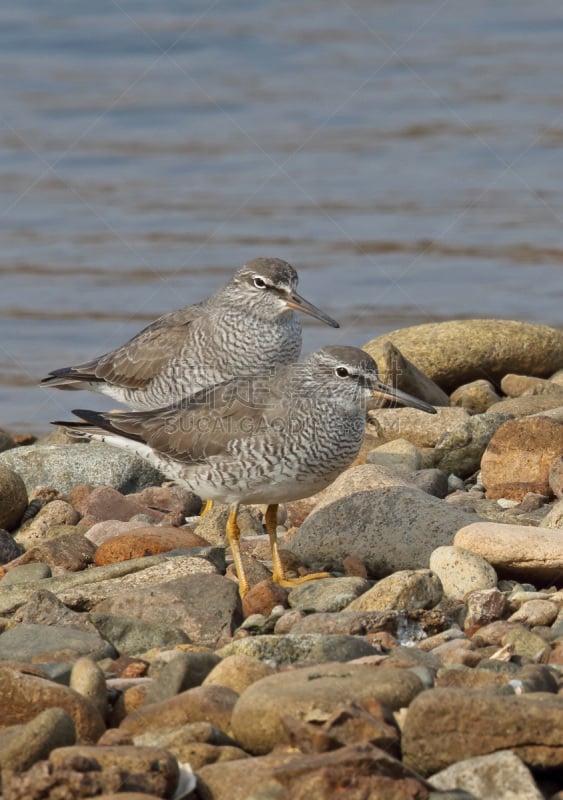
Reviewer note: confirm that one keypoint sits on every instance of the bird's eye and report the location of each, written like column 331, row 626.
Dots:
column 342, row 372
column 260, row 283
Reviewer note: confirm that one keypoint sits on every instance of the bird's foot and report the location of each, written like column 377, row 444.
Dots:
column 282, row 580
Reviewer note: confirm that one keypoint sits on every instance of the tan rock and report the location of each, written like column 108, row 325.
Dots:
column 204, row 703
column 444, row 726
column 516, row 551
column 363, row 771
column 238, row 672
column 418, row 428
column 518, row 458
column 135, row 760
column 24, row 696
column 398, row 371
column 13, row 498
column 526, row 405
column 312, row 694
column 475, row 397
column 411, row 589
column 459, row 351
column 515, row 385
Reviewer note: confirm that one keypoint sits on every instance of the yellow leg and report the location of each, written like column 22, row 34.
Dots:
column 271, row 520
column 207, row 506
column 233, row 535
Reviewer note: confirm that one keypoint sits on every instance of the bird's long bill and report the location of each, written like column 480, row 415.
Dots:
column 404, row 399
column 299, row 303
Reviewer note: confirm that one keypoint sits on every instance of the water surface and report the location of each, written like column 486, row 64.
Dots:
column 405, row 156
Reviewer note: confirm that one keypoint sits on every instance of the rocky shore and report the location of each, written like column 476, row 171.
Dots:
column 429, row 665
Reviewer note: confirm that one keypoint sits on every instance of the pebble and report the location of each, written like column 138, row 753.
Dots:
column 299, row 648
column 406, row 589
column 64, row 466
column 475, row 397
column 26, row 574
column 519, row 457
column 24, row 744
column 460, row 449
column 328, row 594
column 501, row 775
column 379, row 517
column 312, row 694
column 25, row 696
column 89, row 680
column 184, row 671
column 459, row 351
column 238, row 672
column 9, row 548
column 13, row 495
column 516, row 551
column 146, row 541
column 418, row 428
column 399, row 455
column 463, row 724
column 461, row 571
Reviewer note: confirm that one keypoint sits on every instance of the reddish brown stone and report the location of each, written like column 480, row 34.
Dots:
column 262, row 598
column 519, row 457
column 146, row 541
column 107, row 503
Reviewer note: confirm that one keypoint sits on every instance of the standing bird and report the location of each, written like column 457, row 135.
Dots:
column 257, row 440
column 246, row 328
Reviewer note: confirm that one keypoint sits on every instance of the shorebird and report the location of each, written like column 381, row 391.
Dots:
column 246, row 328
column 257, row 440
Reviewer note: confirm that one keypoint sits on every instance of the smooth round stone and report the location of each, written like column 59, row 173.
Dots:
column 36, row 739
column 296, row 648
column 146, row 541
column 476, row 397
column 410, row 589
column 133, row 636
column 313, row 693
column 26, row 574
column 519, row 456
column 554, row 517
column 238, row 672
column 64, row 466
column 380, row 518
column 88, row 680
column 516, row 551
column 184, row 671
column 459, row 351
column 461, row 571
column 500, row 774
column 328, row 594
column 536, row 612
column 13, row 495
column 399, row 455
column 35, row 641
column 25, row 696
column 212, row 704
column 53, row 514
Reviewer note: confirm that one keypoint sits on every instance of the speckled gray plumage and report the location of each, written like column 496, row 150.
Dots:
column 240, row 330
column 257, row 440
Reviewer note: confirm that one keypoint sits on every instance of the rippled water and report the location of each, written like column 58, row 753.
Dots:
column 404, row 155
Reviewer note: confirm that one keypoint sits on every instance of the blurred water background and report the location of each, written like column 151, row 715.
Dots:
column 404, row 155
